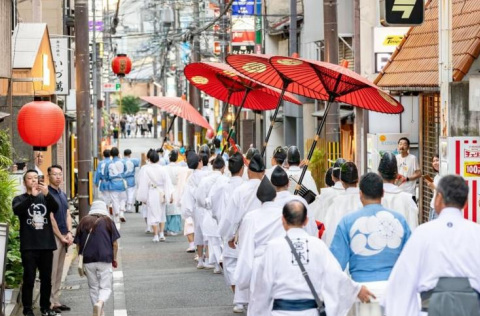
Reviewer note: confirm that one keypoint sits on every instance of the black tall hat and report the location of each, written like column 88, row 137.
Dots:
column 204, row 149
column 235, row 162
column 256, row 164
column 349, row 173
column 266, row 191
column 218, row 162
column 293, row 155
column 336, row 167
column 279, row 177
column 173, row 155
column 192, row 159
column 280, row 154
column 388, row 168
column 250, row 152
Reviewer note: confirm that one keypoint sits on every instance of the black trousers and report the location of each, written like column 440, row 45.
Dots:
column 31, row 261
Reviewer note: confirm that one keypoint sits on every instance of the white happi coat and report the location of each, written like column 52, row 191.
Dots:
column 341, row 206
column 280, row 277
column 448, row 246
column 155, row 189
column 325, row 199
column 209, row 225
column 174, row 169
column 308, row 182
column 189, row 205
column 242, row 200
column 401, row 202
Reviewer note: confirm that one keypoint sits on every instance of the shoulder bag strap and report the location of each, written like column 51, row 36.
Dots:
column 305, row 274
column 88, row 236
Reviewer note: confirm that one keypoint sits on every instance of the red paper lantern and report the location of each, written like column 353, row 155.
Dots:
column 40, row 124
column 121, row 65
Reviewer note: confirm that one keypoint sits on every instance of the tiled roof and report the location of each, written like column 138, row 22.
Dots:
column 415, row 62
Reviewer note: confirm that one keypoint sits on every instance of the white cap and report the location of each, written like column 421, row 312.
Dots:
column 98, row 208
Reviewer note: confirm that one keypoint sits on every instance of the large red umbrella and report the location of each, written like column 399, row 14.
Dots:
column 258, row 68
column 340, row 84
column 178, row 107
column 224, row 83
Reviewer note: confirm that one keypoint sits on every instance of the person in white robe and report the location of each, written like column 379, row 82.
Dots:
column 242, row 200
column 369, row 242
column 278, row 159
column 156, row 190
column 395, row 198
column 446, row 248
column 174, row 218
column 189, row 204
column 279, row 281
column 140, row 176
column 343, row 204
column 294, row 171
column 325, row 199
column 209, row 225
column 117, row 187
column 129, row 175
column 188, row 225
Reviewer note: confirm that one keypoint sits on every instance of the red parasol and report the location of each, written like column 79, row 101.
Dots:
column 258, row 67
column 224, row 83
column 178, row 107
column 340, row 84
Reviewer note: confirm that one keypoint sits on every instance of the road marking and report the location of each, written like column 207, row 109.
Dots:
column 119, row 304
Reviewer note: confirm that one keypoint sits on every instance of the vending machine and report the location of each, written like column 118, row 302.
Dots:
column 378, row 144
column 461, row 156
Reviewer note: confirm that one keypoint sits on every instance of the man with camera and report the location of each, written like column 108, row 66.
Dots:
column 37, row 241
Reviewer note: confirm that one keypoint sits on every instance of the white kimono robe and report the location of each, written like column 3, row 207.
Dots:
column 155, row 189
column 308, row 181
column 401, row 202
column 280, row 277
column 284, row 197
column 341, row 206
column 446, row 247
column 140, row 176
column 174, row 169
column 189, row 205
column 325, row 200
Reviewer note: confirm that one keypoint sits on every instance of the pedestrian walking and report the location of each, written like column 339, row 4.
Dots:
column 294, row 170
column 408, row 167
column 440, row 261
column 280, row 285
column 37, row 241
column 114, row 171
column 155, row 190
column 129, row 175
column 62, row 228
column 432, row 184
column 97, row 240
column 174, row 218
column 100, row 178
column 369, row 242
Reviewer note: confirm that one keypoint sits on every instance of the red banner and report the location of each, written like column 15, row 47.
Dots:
column 243, row 36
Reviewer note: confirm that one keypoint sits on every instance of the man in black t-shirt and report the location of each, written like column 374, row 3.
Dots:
column 37, row 241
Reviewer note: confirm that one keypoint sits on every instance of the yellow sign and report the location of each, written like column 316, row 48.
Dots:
column 472, row 169
column 393, row 40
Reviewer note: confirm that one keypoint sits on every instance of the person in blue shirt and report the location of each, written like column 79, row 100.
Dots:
column 370, row 241
column 99, row 178
column 129, row 175
column 114, row 174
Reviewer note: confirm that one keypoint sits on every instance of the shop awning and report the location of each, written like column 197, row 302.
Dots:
column 3, row 115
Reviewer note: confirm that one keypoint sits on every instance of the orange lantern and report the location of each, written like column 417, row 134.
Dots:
column 40, row 124
column 121, row 65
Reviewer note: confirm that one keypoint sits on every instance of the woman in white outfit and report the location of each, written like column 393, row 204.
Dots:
column 96, row 240
column 155, row 190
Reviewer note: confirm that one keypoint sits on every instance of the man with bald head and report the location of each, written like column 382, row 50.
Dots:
column 281, row 287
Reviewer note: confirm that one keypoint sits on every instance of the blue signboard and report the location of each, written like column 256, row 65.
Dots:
column 243, row 7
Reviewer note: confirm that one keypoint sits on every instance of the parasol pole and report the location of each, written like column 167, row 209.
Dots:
column 224, row 111
column 168, row 131
column 236, row 119
column 286, row 83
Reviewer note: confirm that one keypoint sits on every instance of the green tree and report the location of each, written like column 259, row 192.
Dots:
column 130, row 105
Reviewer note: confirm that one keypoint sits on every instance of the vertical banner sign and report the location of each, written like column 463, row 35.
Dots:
column 462, row 157
column 258, row 27
column 60, row 58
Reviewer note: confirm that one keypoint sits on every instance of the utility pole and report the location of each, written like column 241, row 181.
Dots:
column 445, row 63
column 154, row 65
column 332, row 130
column 94, row 82
column 293, row 28
column 361, row 116
column 84, row 149
column 223, row 39
column 194, row 94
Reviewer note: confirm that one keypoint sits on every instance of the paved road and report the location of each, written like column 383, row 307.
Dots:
column 158, row 279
